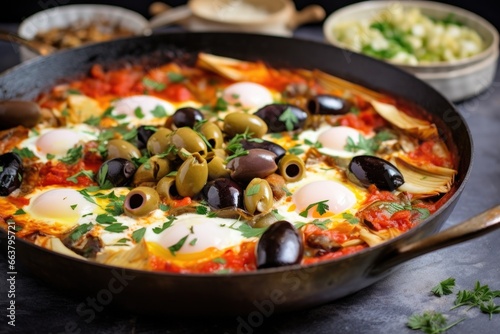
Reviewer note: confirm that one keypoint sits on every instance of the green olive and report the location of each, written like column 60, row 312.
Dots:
column 119, row 148
column 191, row 176
column 241, row 122
column 213, row 134
column 187, row 139
column 217, row 168
column 152, row 170
column 166, row 188
column 141, row 201
column 258, row 196
column 292, row 168
column 159, row 141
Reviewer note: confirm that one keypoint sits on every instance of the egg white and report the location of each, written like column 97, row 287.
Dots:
column 57, row 141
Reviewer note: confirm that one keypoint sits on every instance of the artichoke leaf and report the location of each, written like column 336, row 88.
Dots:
column 420, row 128
column 424, row 179
column 136, row 257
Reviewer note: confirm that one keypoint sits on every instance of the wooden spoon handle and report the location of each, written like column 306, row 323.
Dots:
column 311, row 13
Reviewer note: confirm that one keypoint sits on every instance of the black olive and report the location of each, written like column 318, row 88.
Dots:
column 117, row 172
column 368, row 170
column 265, row 145
column 280, row 245
column 143, row 134
column 186, row 116
column 11, row 173
column 282, row 117
column 223, row 193
column 257, row 163
column 325, row 104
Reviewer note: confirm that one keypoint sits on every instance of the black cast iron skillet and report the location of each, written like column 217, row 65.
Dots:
column 282, row 289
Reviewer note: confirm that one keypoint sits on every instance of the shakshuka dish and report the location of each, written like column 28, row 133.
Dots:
column 217, row 165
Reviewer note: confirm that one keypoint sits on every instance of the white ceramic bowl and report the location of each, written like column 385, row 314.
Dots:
column 65, row 16
column 457, row 80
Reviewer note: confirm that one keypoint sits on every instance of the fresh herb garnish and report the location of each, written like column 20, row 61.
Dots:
column 74, row 178
column 79, row 231
column 178, row 245
column 247, row 231
column 159, row 112
column 175, row 77
column 321, row 208
column 137, row 235
column 368, row 145
column 350, row 218
column 253, row 190
column 289, row 118
column 481, row 297
column 19, row 212
column 116, row 228
column 430, row 322
column 444, row 287
column 73, row 155
column 165, row 225
column 154, row 85
column 105, row 219
column 24, row 152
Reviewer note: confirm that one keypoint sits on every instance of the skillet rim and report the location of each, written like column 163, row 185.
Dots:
column 269, row 271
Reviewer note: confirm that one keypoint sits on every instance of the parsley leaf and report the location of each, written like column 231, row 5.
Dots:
column 321, row 208
column 73, row 155
column 430, row 322
column 175, row 248
column 80, row 231
column 137, row 235
column 165, row 225
column 24, row 152
column 350, row 218
column 289, row 118
column 105, row 219
column 247, row 231
column 444, row 287
column 159, row 112
column 152, row 84
column 175, row 77
column 116, row 228
column 253, row 190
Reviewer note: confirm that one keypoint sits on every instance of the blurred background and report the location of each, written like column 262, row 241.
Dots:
column 15, row 11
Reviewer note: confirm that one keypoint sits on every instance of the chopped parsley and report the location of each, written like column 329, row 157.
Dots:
column 253, row 190
column 350, row 218
column 444, row 287
column 152, row 84
column 73, row 155
column 24, row 152
column 289, row 118
column 137, row 235
column 321, row 208
column 105, row 219
column 175, row 77
column 159, row 112
column 79, row 231
column 116, row 228
column 165, row 225
column 178, row 245
column 247, row 231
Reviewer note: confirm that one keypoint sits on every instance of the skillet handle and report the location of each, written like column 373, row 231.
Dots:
column 35, row 46
column 474, row 227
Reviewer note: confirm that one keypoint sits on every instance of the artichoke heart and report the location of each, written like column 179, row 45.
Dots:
column 82, row 107
column 420, row 128
column 232, row 69
column 424, row 179
column 56, row 245
column 135, row 258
